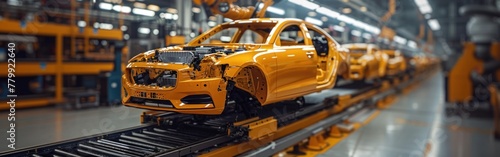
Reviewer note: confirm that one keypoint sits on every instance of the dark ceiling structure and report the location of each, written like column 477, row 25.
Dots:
column 407, row 19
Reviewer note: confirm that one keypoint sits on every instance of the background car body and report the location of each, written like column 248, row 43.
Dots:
column 366, row 61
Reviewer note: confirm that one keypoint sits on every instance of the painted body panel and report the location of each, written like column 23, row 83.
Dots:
column 269, row 71
column 366, row 62
column 396, row 63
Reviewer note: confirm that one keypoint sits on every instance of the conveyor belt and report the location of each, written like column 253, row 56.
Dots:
column 173, row 134
column 146, row 140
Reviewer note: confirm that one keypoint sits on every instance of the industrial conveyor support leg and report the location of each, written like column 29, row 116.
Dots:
column 385, row 102
column 317, row 142
column 335, row 132
column 495, row 102
column 296, row 151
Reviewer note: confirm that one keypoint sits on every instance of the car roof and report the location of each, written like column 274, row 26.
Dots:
column 265, row 20
column 359, row 45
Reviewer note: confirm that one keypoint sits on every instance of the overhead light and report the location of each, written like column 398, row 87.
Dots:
column 324, row 18
column 367, row 36
column 123, row 28
column 363, row 9
column 153, row 7
column 412, row 44
column 175, row 16
column 14, row 2
column 143, row 12
column 359, row 24
column 425, row 9
column 327, row 12
column 211, row 23
column 338, row 28
column 143, row 30
column 314, row 21
column 167, row 16
column 306, row 4
column 400, row 40
column 423, row 6
column 81, row 23
column 311, row 13
column 374, row 30
column 434, row 24
column 272, row 9
column 173, row 33
column 172, row 10
column 275, row 10
column 346, row 19
column 192, row 35
column 156, row 31
column 140, row 5
column 196, row 10
column 106, row 26
column 105, row 6
column 225, row 38
column 346, row 10
column 356, row 33
column 213, row 18
column 123, row 9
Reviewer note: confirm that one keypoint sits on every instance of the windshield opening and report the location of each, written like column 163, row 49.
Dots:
column 255, row 33
column 357, row 50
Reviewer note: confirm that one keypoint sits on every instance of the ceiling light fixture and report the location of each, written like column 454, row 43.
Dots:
column 434, row 24
column 172, row 10
column 346, row 10
column 143, row 12
column 196, row 10
column 314, row 21
column 105, row 6
column 153, row 7
column 306, row 4
column 327, row 12
column 272, row 9
column 139, row 5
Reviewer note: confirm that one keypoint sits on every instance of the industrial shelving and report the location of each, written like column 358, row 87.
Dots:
column 57, row 64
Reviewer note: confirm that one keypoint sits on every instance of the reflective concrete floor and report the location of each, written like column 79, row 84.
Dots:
column 47, row 125
column 416, row 126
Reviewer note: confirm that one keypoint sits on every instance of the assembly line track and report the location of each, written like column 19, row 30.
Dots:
column 191, row 138
column 143, row 140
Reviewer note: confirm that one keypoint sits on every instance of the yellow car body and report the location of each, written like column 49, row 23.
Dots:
column 396, row 63
column 366, row 62
column 197, row 78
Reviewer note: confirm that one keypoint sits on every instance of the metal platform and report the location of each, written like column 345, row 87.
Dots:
column 154, row 139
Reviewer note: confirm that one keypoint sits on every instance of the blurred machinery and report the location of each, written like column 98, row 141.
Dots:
column 234, row 12
column 57, row 56
column 111, row 82
column 479, row 65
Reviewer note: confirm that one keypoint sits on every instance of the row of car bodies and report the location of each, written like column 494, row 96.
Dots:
column 244, row 64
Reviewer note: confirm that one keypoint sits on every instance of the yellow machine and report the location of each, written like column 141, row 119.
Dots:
column 227, row 9
column 396, row 63
column 475, row 76
column 464, row 83
column 209, row 78
column 366, row 62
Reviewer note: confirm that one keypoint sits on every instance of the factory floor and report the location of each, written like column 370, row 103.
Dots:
column 414, row 125
column 51, row 124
